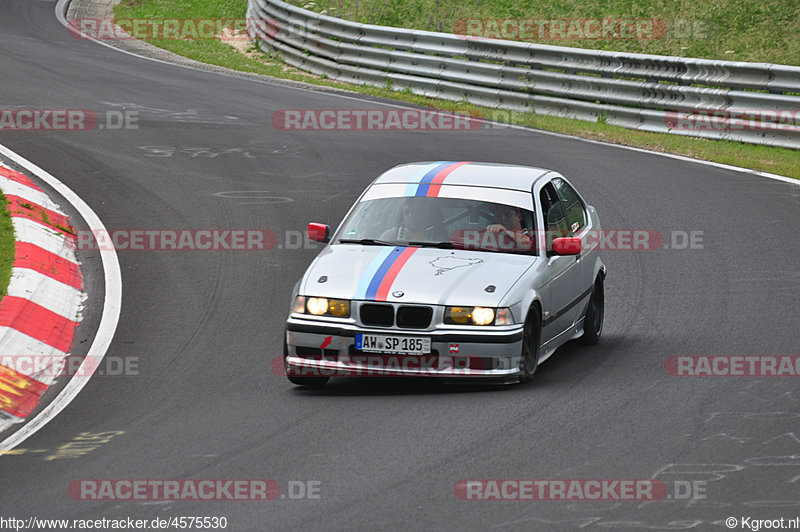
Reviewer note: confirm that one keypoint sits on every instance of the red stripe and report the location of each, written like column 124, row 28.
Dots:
column 34, row 258
column 436, row 183
column 21, row 207
column 391, row 275
column 37, row 322
column 19, row 394
column 19, row 178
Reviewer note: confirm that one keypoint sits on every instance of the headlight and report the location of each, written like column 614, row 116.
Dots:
column 478, row 316
column 482, row 315
column 317, row 305
column 322, row 306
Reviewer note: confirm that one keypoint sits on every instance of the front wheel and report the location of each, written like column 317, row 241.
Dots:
column 593, row 322
column 529, row 360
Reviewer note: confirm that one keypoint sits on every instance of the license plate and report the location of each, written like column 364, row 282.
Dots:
column 402, row 345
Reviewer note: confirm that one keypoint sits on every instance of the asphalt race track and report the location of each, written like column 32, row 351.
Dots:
column 203, row 326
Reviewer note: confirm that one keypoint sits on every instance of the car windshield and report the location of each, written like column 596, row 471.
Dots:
column 449, row 223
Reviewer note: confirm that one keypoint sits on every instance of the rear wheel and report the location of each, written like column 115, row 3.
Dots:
column 529, row 360
column 593, row 322
column 312, row 382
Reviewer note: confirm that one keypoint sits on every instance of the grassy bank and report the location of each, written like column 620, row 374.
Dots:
column 734, row 30
column 7, row 246
column 769, row 159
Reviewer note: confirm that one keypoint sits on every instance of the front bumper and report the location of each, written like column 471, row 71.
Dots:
column 327, row 349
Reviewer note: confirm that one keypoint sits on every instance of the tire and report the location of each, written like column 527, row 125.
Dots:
column 595, row 313
column 531, row 337
column 311, row 382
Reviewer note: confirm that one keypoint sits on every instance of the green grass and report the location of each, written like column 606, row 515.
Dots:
column 769, row 159
column 7, row 246
column 734, row 30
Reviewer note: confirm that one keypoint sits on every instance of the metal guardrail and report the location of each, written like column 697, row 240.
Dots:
column 758, row 103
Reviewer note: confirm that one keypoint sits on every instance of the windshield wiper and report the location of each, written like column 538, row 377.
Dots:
column 442, row 245
column 458, row 245
column 366, row 242
column 423, row 244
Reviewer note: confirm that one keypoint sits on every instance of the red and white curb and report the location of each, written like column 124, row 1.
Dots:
column 111, row 302
column 41, row 310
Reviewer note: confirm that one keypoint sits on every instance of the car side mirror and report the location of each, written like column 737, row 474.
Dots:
column 567, row 246
column 318, row 232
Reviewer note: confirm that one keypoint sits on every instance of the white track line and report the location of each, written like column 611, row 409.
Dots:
column 62, row 5
column 112, row 303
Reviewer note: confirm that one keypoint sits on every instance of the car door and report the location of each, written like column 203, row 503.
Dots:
column 578, row 222
column 563, row 272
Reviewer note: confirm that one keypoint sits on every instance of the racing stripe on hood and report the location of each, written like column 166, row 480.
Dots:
column 377, row 279
column 370, row 270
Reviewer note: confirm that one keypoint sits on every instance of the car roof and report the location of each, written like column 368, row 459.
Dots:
column 496, row 175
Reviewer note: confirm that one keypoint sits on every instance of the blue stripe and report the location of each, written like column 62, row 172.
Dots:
column 375, row 283
column 369, row 272
column 425, row 182
column 411, row 189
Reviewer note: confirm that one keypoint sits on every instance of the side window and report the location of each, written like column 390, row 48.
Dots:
column 555, row 219
column 576, row 212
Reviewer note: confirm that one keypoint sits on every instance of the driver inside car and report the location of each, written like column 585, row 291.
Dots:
column 507, row 226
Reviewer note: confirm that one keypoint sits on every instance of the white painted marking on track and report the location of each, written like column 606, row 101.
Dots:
column 112, row 303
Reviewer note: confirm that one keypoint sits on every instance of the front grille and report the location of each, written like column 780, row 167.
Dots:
column 377, row 315
column 414, row 317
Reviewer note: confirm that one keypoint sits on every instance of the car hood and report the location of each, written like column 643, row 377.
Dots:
column 414, row 275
